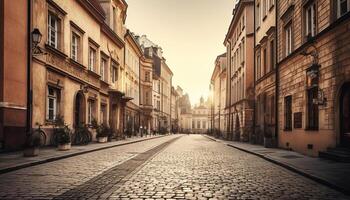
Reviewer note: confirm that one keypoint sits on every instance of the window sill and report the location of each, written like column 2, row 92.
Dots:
column 94, row 74
column 55, row 51
column 104, row 82
column 76, row 63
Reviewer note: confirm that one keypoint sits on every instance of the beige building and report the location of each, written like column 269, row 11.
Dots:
column 161, row 89
column 146, row 105
column 218, row 87
column 239, row 42
column 185, row 118
column 314, row 75
column 200, row 117
column 265, row 68
column 131, row 83
column 175, row 111
column 79, row 76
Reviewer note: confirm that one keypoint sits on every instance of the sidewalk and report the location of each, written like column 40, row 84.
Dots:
column 14, row 160
column 333, row 174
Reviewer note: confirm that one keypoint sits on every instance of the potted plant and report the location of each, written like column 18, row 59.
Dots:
column 268, row 139
column 31, row 145
column 102, row 133
column 63, row 135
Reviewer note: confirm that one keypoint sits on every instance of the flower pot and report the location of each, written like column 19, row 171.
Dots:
column 102, row 139
column 64, row 147
column 31, row 152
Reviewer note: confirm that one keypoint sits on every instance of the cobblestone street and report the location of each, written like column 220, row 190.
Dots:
column 188, row 167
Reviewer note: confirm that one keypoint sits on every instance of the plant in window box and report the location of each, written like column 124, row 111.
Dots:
column 103, row 132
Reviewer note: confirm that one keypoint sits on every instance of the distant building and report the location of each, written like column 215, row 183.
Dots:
column 239, row 42
column 200, row 117
column 218, row 92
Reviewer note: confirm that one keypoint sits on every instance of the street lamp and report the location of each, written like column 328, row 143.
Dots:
column 36, row 37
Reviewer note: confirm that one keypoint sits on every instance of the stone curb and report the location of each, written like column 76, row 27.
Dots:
column 289, row 167
column 34, row 163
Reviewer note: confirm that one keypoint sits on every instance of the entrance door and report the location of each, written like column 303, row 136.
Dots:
column 79, row 110
column 345, row 115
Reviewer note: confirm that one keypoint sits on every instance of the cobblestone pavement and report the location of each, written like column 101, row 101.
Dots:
column 192, row 167
column 48, row 180
column 195, row 167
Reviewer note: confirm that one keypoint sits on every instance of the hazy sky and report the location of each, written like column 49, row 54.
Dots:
column 191, row 33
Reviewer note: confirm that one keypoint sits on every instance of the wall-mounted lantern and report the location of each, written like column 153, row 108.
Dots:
column 36, row 39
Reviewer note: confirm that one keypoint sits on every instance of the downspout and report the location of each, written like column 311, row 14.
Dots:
column 29, row 64
column 140, row 98
column 121, row 105
column 254, row 71
column 230, row 124
column 171, row 83
column 276, row 75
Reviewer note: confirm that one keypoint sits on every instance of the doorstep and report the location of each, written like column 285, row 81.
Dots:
column 11, row 161
column 330, row 173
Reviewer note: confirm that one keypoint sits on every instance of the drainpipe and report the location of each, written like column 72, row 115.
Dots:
column 29, row 64
column 276, row 75
column 140, row 98
column 254, row 71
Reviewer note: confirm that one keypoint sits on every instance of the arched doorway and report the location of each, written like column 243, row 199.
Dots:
column 79, row 109
column 344, row 104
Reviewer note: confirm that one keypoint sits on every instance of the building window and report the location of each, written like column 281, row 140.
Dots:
column 343, row 6
column 312, row 94
column 288, row 113
column 288, row 38
column 52, row 103
column 147, row 98
column 258, row 65
column 193, row 124
column 265, row 62
column 243, row 51
column 147, row 76
column 310, row 20
column 114, row 72
column 92, row 59
column 53, row 30
column 258, row 18
column 204, row 124
column 75, row 46
column 91, row 111
column 103, row 70
column 272, row 54
column 198, row 124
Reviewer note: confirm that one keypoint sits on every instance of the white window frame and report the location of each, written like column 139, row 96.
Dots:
column 103, row 69
column 339, row 8
column 288, row 39
column 310, row 24
column 92, row 58
column 52, row 30
column 54, row 98
column 75, row 46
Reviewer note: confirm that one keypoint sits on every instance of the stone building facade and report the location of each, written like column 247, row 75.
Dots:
column 265, row 68
column 131, row 84
column 14, row 63
column 239, row 42
column 175, row 111
column 314, row 74
column 79, row 76
column 218, row 91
